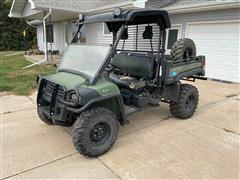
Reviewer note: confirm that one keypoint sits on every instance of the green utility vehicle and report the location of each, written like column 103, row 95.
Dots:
column 96, row 86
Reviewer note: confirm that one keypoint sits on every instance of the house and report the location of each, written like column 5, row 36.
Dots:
column 214, row 25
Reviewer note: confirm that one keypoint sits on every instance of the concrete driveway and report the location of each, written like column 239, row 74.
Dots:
column 154, row 145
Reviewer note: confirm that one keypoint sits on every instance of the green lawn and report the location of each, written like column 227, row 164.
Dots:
column 16, row 80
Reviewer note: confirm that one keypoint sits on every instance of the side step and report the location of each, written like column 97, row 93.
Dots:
column 130, row 110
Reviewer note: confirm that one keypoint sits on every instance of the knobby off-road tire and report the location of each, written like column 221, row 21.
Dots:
column 95, row 131
column 183, row 49
column 187, row 102
column 43, row 117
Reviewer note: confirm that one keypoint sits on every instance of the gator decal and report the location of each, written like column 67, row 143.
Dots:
column 173, row 72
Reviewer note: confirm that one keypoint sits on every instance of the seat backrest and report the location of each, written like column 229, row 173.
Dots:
column 137, row 65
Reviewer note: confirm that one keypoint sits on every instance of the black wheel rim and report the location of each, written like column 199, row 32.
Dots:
column 99, row 134
column 187, row 54
column 190, row 103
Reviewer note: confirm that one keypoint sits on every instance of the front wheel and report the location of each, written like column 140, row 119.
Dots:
column 95, row 131
column 187, row 102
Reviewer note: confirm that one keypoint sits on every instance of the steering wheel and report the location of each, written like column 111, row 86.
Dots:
column 110, row 67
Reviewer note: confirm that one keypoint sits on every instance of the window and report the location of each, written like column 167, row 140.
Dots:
column 105, row 29
column 172, row 37
column 49, row 32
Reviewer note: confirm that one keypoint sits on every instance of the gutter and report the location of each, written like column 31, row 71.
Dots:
column 45, row 41
column 32, row 4
column 41, row 6
column 125, row 5
column 205, row 7
column 29, row 23
column 10, row 13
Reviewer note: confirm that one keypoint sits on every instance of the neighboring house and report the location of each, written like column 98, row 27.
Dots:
column 214, row 25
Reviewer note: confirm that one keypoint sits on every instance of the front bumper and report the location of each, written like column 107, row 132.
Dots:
column 58, row 116
column 50, row 101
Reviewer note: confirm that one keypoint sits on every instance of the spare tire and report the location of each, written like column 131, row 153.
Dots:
column 183, row 49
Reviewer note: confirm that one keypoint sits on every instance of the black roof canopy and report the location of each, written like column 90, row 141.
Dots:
column 131, row 17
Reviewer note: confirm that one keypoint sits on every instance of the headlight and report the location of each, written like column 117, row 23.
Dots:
column 72, row 96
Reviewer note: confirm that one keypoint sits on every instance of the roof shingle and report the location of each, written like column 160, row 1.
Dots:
column 77, row 5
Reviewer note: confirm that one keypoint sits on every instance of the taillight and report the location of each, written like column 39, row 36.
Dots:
column 204, row 64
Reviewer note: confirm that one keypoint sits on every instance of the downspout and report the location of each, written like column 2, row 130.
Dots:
column 45, row 41
column 31, row 24
column 45, row 32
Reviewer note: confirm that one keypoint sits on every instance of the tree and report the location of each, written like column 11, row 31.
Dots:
column 11, row 30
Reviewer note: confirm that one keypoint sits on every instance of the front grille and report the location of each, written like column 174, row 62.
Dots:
column 49, row 87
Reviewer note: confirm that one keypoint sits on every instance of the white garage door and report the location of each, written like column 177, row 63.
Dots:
column 219, row 42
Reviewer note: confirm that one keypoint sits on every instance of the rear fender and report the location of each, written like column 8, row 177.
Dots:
column 171, row 92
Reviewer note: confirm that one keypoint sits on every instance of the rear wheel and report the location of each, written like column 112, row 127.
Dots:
column 187, row 102
column 43, row 117
column 183, row 49
column 95, row 131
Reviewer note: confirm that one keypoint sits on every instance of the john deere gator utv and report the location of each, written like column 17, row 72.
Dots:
column 96, row 86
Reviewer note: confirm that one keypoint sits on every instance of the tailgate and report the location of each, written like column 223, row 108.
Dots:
column 175, row 71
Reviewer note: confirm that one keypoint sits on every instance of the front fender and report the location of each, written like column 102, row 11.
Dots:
column 113, row 102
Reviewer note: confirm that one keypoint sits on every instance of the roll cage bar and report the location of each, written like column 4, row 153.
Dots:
column 117, row 25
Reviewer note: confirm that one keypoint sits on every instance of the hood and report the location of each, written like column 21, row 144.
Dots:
column 67, row 80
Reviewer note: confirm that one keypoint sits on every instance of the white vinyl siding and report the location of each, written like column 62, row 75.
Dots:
column 94, row 34
column 40, row 37
column 106, row 30
column 58, row 36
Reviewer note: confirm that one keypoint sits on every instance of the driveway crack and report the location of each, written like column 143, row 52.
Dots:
column 109, row 168
column 41, row 165
column 230, row 131
column 9, row 112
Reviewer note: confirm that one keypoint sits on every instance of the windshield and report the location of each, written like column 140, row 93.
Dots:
column 85, row 59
